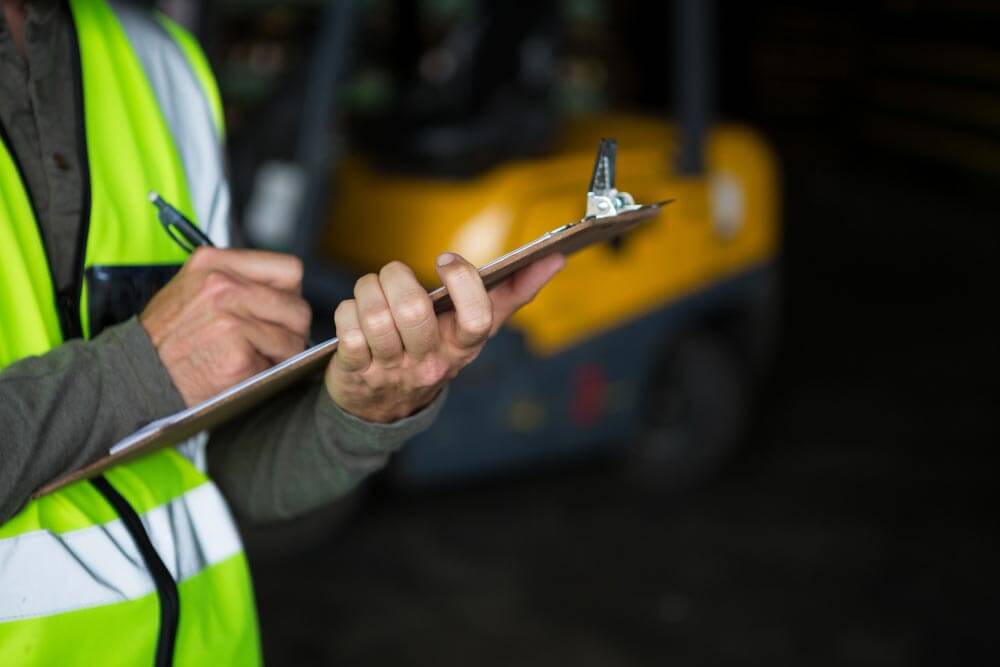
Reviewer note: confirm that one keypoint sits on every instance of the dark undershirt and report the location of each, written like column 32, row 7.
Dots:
column 46, row 142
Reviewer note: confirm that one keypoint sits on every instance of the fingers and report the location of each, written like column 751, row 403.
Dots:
column 352, row 354
column 395, row 353
column 377, row 321
column 280, row 271
column 473, row 319
column 522, row 287
column 271, row 341
column 256, row 295
column 411, row 309
column 238, row 358
column 257, row 302
column 391, row 315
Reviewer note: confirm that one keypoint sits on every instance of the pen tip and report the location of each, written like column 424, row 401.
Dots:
column 153, row 196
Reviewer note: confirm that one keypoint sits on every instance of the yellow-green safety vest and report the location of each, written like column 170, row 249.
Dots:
column 98, row 574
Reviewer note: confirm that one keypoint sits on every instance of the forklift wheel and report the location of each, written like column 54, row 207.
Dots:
column 696, row 416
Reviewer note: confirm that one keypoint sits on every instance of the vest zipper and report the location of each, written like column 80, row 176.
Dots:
column 166, row 587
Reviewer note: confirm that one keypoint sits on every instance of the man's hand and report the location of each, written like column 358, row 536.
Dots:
column 395, row 355
column 227, row 315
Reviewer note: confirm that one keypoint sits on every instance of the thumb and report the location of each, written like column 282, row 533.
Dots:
column 521, row 288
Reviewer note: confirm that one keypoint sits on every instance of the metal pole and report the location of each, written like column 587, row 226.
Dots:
column 314, row 150
column 694, row 79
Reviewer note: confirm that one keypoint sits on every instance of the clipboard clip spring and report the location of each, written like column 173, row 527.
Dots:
column 603, row 199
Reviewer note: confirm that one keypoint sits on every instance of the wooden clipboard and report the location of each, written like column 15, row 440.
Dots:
column 251, row 392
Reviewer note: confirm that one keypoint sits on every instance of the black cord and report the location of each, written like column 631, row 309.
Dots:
column 166, row 587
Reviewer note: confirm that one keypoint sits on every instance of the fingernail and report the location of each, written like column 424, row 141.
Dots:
column 444, row 259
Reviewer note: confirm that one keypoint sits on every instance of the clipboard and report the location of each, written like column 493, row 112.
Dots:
column 610, row 214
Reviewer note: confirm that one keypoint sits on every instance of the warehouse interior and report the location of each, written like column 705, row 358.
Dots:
column 820, row 497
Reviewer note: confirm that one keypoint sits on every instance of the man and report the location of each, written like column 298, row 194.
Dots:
column 98, row 105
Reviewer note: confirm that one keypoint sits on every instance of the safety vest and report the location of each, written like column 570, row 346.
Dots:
column 145, row 563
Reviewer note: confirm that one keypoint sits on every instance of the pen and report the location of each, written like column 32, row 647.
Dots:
column 181, row 230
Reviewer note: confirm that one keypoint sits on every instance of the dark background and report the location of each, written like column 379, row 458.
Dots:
column 856, row 525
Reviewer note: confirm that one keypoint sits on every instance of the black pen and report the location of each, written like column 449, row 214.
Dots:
column 183, row 231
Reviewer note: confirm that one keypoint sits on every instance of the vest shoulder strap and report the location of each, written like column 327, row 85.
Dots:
column 188, row 97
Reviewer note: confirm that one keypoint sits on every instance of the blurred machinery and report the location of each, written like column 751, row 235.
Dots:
column 470, row 126
column 647, row 346
column 650, row 341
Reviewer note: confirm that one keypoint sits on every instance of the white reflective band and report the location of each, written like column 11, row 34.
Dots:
column 42, row 573
column 189, row 117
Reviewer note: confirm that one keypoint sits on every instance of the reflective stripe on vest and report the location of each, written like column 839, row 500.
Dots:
column 191, row 532
column 73, row 589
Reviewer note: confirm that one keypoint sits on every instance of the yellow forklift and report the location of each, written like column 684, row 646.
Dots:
column 647, row 348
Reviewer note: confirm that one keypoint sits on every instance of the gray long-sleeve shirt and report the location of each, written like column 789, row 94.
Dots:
column 64, row 409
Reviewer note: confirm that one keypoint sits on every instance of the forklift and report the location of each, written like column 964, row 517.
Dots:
column 647, row 349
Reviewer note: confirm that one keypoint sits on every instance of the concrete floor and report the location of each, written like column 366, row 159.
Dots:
column 853, row 530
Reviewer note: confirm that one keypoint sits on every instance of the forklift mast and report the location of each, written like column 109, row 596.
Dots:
column 694, row 89
column 316, row 144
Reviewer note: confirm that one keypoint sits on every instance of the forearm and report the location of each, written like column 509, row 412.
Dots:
column 64, row 409
column 302, row 451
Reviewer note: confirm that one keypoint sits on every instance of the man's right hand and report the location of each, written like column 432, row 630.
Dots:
column 227, row 315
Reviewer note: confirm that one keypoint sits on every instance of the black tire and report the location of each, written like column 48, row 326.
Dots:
column 696, row 415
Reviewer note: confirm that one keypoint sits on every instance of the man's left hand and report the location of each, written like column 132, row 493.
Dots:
column 395, row 354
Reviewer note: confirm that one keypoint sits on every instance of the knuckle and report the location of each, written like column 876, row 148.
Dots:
column 217, row 283
column 227, row 326
column 379, row 321
column 202, row 257
column 478, row 324
column 414, row 311
column 364, row 281
column 433, row 371
column 344, row 309
column 395, row 267
column 239, row 362
column 353, row 339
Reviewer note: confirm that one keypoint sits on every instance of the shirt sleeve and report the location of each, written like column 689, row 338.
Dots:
column 302, row 451
column 64, row 409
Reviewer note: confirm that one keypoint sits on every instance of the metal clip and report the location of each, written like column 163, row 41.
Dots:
column 603, row 200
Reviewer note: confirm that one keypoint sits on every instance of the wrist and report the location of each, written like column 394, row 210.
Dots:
column 376, row 410
column 354, row 433
column 141, row 371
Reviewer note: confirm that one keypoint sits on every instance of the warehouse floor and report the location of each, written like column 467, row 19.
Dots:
column 852, row 530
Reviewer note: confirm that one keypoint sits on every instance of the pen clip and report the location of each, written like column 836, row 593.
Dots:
column 178, row 237
column 184, row 232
